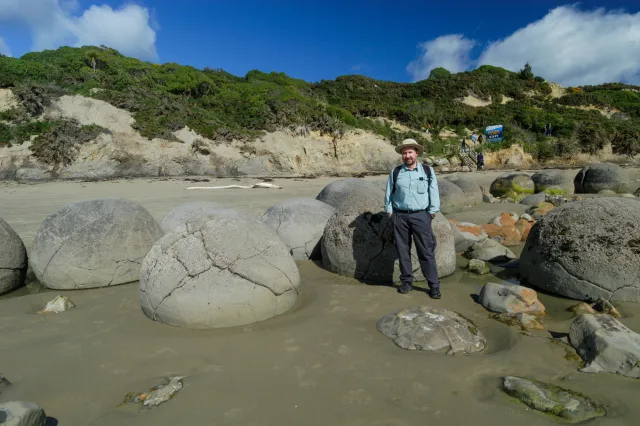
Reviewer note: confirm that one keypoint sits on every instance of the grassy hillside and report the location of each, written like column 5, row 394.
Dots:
column 164, row 98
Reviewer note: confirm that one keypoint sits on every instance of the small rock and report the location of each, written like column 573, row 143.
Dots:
column 628, row 196
column 607, row 192
column 164, row 393
column 478, row 266
column 570, row 406
column 489, row 251
column 605, row 344
column 533, row 199
column 20, row 413
column 581, row 308
column 505, row 219
column 524, row 227
column 432, row 329
column 606, row 307
column 527, row 217
column 510, row 299
column 57, row 305
column 522, row 320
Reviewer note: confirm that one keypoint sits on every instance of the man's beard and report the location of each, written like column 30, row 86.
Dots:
column 409, row 162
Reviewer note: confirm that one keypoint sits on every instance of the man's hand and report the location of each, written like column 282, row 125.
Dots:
column 433, row 216
column 389, row 214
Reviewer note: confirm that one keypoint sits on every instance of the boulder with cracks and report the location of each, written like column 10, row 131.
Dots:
column 93, row 243
column 13, row 259
column 586, row 250
column 299, row 223
column 218, row 272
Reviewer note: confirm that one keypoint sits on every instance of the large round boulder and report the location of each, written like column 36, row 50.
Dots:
column 341, row 191
column 470, row 188
column 299, row 223
column 512, row 185
column 557, row 182
column 93, row 243
column 602, row 176
column 194, row 210
column 13, row 259
column 452, row 198
column 218, row 272
column 358, row 242
column 586, row 250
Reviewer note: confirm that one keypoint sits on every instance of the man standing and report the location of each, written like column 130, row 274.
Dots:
column 412, row 200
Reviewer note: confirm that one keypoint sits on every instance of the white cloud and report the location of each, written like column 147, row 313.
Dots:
column 571, row 47
column 449, row 51
column 53, row 23
column 4, row 49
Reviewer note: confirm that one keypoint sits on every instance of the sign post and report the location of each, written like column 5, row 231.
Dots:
column 494, row 133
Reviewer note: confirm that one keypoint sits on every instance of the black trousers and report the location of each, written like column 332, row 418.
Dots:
column 415, row 226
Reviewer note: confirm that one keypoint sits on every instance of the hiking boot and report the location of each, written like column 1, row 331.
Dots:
column 434, row 293
column 405, row 288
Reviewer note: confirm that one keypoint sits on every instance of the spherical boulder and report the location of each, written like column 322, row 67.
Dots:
column 194, row 210
column 341, row 191
column 512, row 185
column 602, row 176
column 556, row 182
column 13, row 259
column 93, row 243
column 358, row 242
column 218, row 272
column 470, row 188
column 299, row 223
column 586, row 250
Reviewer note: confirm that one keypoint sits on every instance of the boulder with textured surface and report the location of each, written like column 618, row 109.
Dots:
column 339, row 192
column 605, row 344
column 13, row 259
column 465, row 234
column 358, row 242
column 431, row 329
column 299, row 223
column 586, row 250
column 533, row 199
column 478, row 266
column 470, row 188
column 510, row 299
column 21, row 413
column 93, row 243
column 553, row 181
column 512, row 185
column 602, row 176
column 195, row 210
column 219, row 272
column 569, row 406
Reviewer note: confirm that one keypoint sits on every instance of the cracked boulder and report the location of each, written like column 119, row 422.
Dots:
column 470, row 188
column 218, row 272
column 13, row 259
column 605, row 344
column 431, row 329
column 299, row 223
column 359, row 243
column 586, row 250
column 599, row 177
column 194, row 210
column 93, row 243
column 341, row 192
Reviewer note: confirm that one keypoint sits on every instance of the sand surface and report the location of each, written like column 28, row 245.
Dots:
column 322, row 363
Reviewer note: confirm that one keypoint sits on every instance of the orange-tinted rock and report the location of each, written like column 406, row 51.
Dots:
column 511, row 299
column 511, row 236
column 506, row 219
column 491, row 230
column 524, row 227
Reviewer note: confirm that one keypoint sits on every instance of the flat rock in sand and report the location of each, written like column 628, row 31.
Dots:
column 605, row 344
column 510, row 299
column 489, row 251
column 569, row 406
column 431, row 329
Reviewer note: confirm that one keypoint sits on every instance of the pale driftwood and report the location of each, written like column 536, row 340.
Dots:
column 257, row 185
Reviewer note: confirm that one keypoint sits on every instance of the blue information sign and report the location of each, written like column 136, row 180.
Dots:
column 494, row 133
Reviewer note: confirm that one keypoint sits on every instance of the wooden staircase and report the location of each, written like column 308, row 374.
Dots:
column 468, row 157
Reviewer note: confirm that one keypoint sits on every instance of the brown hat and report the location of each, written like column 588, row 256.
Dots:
column 409, row 143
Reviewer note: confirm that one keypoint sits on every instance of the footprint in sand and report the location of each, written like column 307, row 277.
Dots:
column 358, row 396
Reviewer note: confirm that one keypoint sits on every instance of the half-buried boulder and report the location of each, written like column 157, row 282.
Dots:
column 452, row 198
column 470, row 188
column 586, row 250
column 219, row 272
column 13, row 259
column 299, row 223
column 341, row 191
column 431, row 329
column 512, row 185
column 93, row 243
column 602, row 176
column 555, row 182
column 195, row 210
column 358, row 242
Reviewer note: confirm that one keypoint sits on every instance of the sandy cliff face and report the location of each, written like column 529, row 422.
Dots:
column 124, row 153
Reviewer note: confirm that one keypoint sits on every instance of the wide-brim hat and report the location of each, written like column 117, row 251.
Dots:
column 409, row 143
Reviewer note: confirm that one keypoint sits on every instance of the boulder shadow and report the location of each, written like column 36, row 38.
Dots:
column 51, row 421
column 373, row 248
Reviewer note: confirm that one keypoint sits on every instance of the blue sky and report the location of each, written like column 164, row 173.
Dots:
column 313, row 40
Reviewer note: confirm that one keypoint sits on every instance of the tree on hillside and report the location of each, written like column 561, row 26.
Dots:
column 526, row 73
column 439, row 73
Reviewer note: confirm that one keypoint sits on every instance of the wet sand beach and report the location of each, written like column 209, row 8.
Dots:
column 322, row 363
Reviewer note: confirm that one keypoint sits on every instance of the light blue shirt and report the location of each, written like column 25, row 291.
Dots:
column 412, row 192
